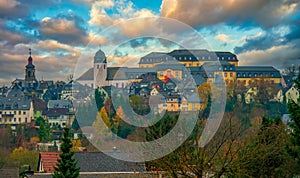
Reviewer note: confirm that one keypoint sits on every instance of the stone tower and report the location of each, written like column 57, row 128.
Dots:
column 100, row 69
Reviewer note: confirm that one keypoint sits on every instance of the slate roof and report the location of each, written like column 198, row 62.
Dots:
column 60, row 104
column 257, row 71
column 55, row 112
column 100, row 162
column 187, row 55
column 91, row 162
column 39, row 104
column 14, row 103
column 88, row 75
column 116, row 73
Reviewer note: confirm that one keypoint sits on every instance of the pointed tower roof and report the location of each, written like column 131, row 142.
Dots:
column 29, row 65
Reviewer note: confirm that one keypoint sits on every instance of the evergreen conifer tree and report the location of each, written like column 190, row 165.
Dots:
column 67, row 166
column 294, row 110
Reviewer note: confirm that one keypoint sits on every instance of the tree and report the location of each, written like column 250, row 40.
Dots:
column 99, row 97
column 263, row 152
column 67, row 166
column 75, row 125
column 103, row 129
column 294, row 110
column 23, row 156
column 76, row 145
column 45, row 132
column 39, row 120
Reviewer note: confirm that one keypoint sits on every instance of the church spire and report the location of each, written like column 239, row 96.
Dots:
column 29, row 58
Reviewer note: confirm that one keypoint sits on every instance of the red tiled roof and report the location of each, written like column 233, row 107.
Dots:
column 49, row 160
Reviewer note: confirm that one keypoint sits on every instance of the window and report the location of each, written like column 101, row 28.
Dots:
column 169, row 73
column 225, row 74
column 26, row 119
column 177, row 74
column 20, row 112
column 161, row 74
column 19, row 119
column 24, row 113
column 104, row 66
column 231, row 75
column 15, row 120
column 10, row 120
column 0, row 119
column 97, row 66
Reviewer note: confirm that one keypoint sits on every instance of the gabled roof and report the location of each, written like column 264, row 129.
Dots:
column 55, row 112
column 39, row 104
column 100, row 162
column 90, row 162
column 47, row 161
column 88, row 75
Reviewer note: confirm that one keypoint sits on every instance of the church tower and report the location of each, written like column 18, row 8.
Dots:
column 30, row 80
column 100, row 69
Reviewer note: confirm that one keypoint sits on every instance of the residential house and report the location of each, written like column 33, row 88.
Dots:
column 60, row 117
column 292, row 94
column 90, row 162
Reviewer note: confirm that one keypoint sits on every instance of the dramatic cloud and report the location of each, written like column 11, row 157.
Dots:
column 12, row 9
column 278, row 56
column 200, row 12
column 63, row 30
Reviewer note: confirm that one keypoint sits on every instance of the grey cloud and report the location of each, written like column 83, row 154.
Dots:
column 64, row 30
column 200, row 13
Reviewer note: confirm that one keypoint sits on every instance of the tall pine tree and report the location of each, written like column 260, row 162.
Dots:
column 67, row 166
column 294, row 110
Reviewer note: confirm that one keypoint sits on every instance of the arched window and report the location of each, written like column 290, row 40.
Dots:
column 104, row 66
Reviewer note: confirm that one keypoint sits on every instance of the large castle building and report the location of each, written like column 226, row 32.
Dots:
column 178, row 64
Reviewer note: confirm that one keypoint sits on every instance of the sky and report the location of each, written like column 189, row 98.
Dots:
column 64, row 35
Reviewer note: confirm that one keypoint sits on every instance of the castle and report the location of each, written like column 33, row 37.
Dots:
column 178, row 64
